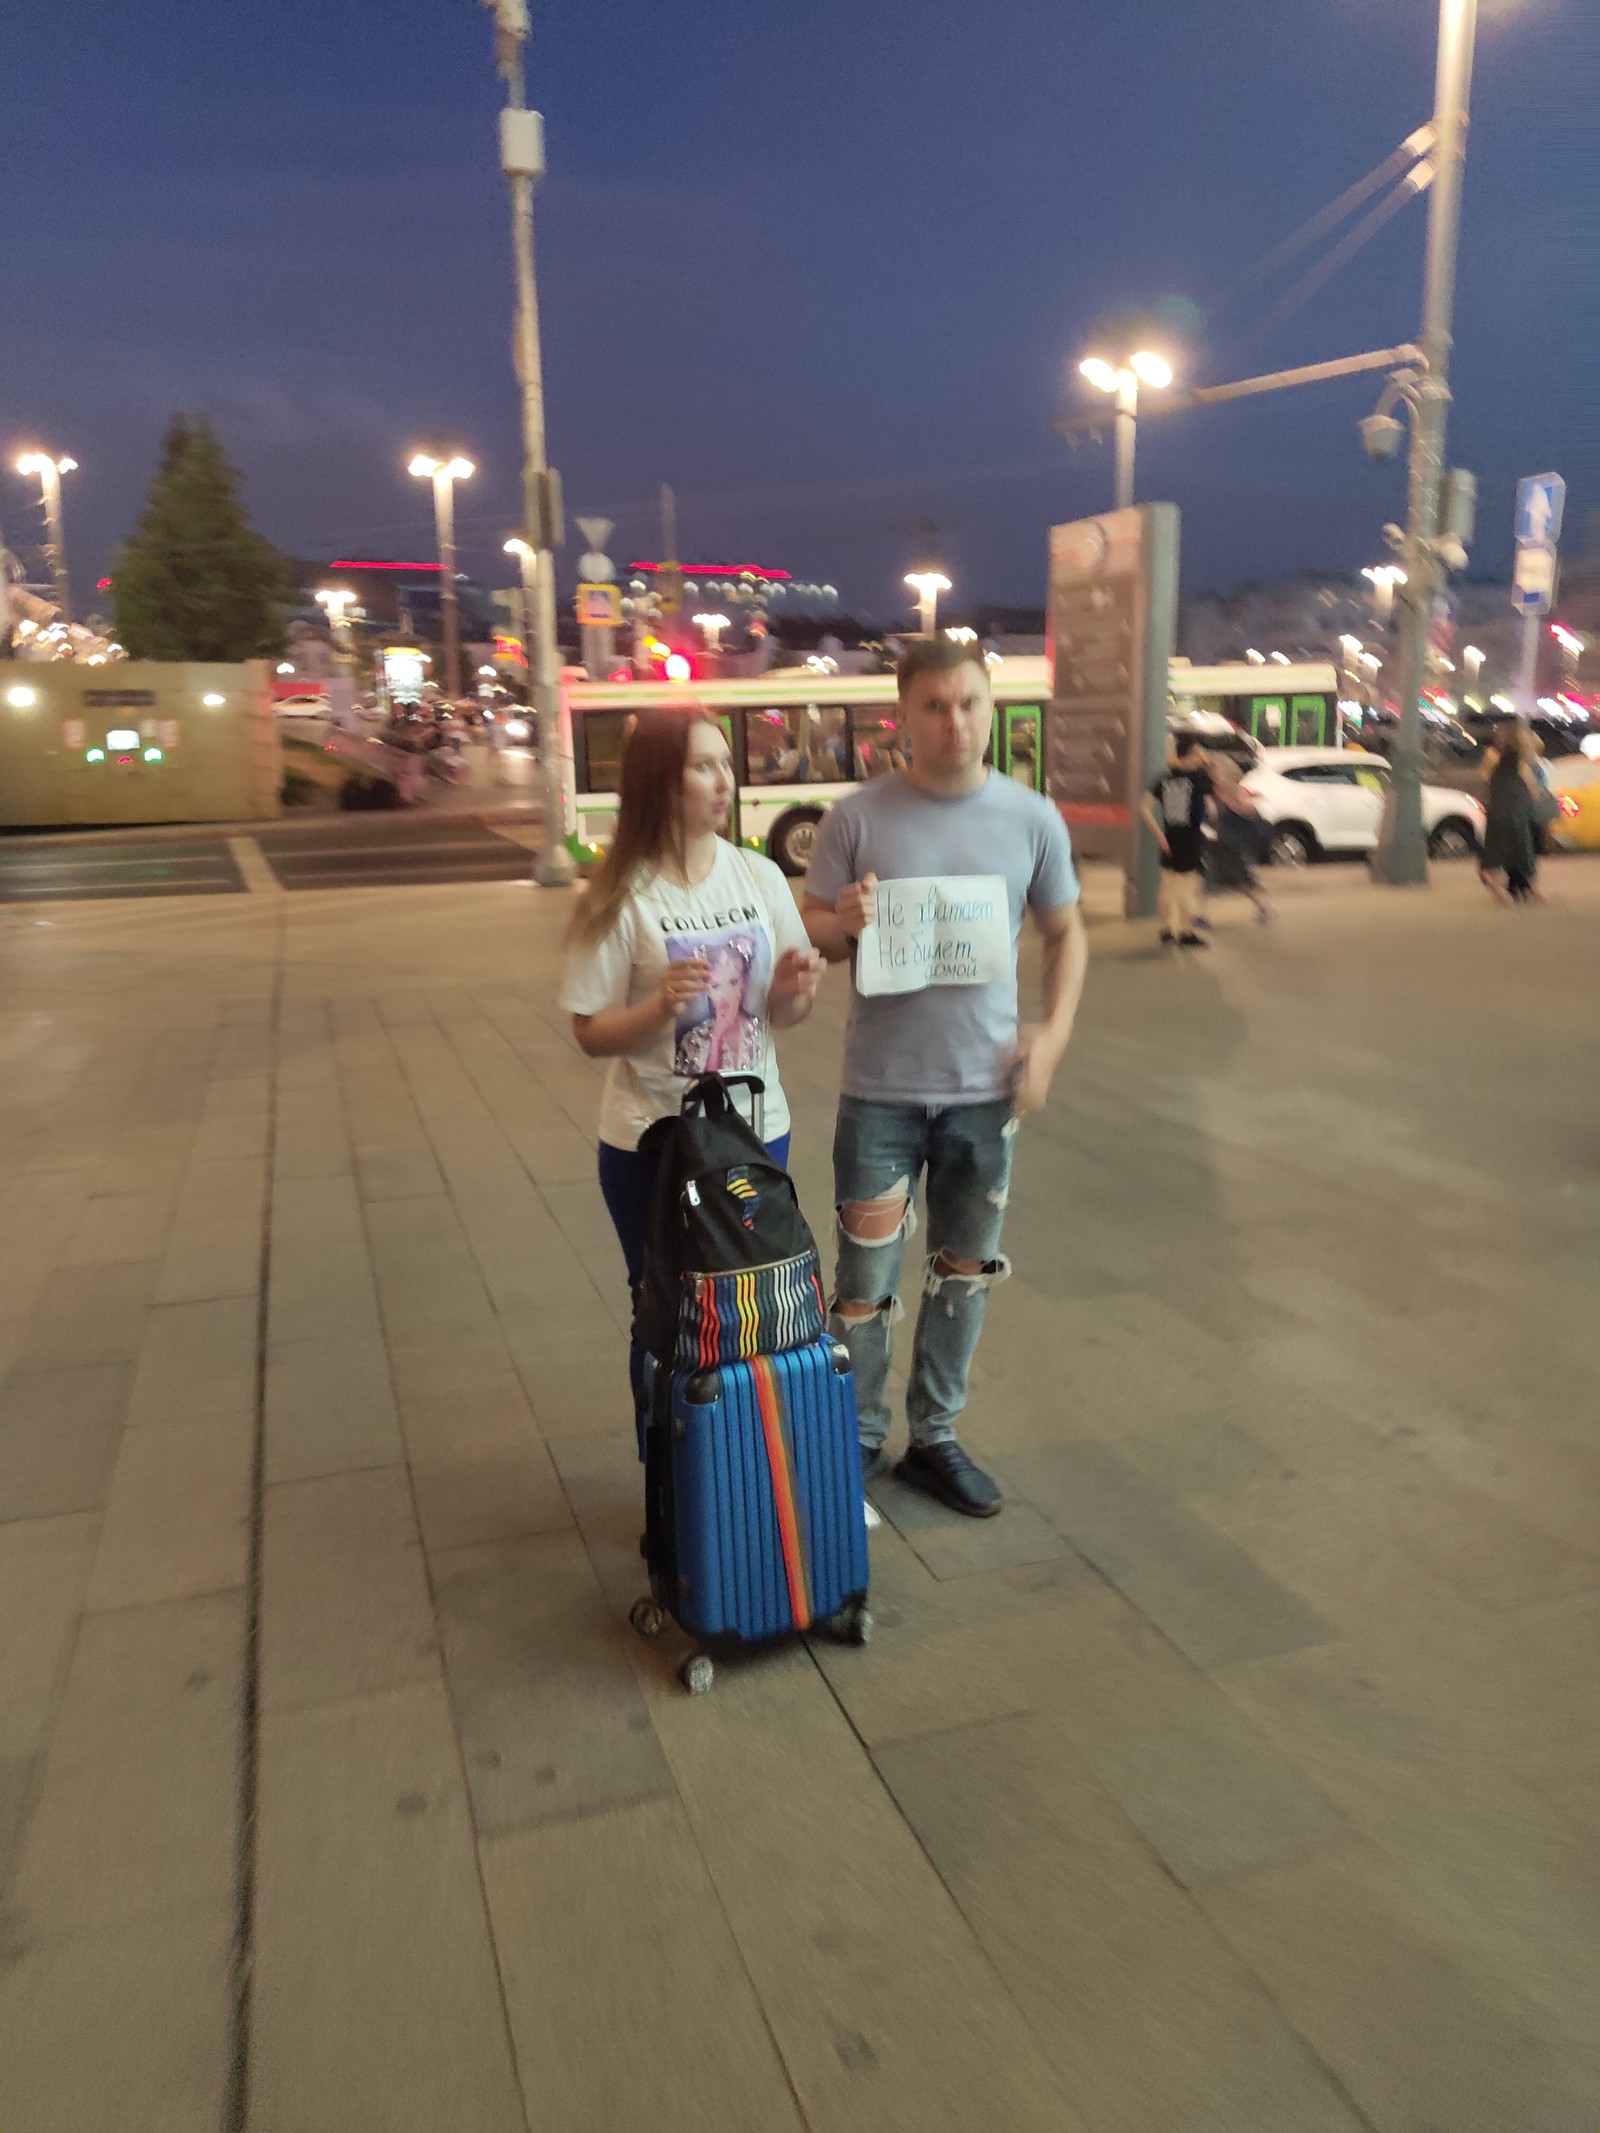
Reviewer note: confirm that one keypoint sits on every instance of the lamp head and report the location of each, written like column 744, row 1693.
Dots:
column 459, row 469
column 423, row 465
column 1099, row 373
column 517, row 546
column 1150, row 368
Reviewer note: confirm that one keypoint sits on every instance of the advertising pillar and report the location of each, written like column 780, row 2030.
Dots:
column 1111, row 625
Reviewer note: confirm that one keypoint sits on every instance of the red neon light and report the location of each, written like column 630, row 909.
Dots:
column 346, row 564
column 690, row 570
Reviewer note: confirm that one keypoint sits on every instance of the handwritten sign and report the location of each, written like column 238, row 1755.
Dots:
column 936, row 929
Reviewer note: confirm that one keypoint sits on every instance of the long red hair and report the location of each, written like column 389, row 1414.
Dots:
column 649, row 816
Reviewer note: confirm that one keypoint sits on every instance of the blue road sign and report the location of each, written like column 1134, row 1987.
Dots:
column 1533, row 578
column 1541, row 499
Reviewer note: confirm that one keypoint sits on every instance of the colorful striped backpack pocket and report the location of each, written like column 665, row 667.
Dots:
column 760, row 1310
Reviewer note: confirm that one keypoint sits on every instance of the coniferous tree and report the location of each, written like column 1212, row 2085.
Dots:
column 197, row 581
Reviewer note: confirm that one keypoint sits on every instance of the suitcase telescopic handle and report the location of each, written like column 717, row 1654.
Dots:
column 711, row 1096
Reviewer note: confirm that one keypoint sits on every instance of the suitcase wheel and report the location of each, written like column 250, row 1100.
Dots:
column 697, row 1674
column 853, row 1625
column 647, row 1618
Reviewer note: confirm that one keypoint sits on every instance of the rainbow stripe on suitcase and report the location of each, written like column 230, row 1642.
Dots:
column 765, row 1504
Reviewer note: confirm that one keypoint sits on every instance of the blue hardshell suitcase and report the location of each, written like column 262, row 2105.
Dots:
column 755, row 1516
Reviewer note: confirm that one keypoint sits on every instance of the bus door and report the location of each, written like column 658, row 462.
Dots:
column 1307, row 724
column 1268, row 716
column 1021, row 751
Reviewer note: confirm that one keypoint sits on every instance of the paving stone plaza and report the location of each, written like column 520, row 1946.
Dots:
column 1243, row 1777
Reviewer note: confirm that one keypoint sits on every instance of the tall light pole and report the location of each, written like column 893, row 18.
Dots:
column 50, row 472
column 522, row 160
column 528, row 562
column 444, row 474
column 927, row 585
column 1401, row 859
column 1122, row 381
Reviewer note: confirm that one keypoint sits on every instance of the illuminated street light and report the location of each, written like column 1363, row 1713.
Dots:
column 444, row 474
column 1472, row 660
column 1383, row 578
column 50, row 472
column 927, row 585
column 962, row 635
column 1142, row 366
column 336, row 602
column 1352, row 645
column 1279, row 659
column 1256, row 659
column 713, row 626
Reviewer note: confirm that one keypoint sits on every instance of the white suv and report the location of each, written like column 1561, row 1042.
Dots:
column 1318, row 800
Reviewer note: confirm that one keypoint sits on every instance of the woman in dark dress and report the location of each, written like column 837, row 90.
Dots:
column 1510, row 859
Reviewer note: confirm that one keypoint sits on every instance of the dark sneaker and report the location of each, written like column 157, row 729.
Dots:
column 1192, row 940
column 1167, row 940
column 945, row 1471
column 874, row 1461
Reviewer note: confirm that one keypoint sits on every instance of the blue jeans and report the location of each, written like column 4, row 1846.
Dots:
column 883, row 1149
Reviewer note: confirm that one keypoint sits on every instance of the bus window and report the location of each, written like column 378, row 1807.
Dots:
column 880, row 744
column 802, row 744
column 600, row 764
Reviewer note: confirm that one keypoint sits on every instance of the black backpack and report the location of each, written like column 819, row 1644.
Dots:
column 730, row 1265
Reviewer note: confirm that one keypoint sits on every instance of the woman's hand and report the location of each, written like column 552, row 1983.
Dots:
column 681, row 983
column 797, row 975
column 795, row 979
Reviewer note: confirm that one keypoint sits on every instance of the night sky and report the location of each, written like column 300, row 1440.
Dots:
column 825, row 267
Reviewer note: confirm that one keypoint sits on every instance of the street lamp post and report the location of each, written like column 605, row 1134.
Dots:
column 444, row 474
column 50, row 472
column 1122, row 381
column 1401, row 859
column 522, row 160
column 927, row 585
column 528, row 561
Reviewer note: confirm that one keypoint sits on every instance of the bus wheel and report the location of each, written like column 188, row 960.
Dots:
column 793, row 837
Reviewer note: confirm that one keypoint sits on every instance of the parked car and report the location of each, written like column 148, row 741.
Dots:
column 1326, row 800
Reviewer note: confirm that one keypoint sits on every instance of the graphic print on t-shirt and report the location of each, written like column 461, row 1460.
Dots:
column 724, row 1029
column 1182, row 800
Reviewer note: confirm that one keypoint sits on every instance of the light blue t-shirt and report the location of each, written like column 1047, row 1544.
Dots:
column 949, row 1044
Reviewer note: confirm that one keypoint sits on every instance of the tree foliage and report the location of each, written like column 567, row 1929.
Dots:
column 197, row 581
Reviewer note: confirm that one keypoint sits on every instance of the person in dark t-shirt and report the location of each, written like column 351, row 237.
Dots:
column 1175, row 809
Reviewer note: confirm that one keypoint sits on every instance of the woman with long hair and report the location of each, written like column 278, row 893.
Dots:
column 1510, row 860
column 685, row 953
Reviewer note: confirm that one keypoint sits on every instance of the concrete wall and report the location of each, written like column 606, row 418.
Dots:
column 200, row 743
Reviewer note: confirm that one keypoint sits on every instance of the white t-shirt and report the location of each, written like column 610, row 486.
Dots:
column 741, row 918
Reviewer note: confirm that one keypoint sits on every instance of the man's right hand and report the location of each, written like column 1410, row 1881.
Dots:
column 856, row 906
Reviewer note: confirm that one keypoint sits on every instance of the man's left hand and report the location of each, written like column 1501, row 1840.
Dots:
column 1033, row 1069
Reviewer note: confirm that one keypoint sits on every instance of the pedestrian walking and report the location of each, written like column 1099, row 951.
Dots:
column 685, row 951
column 1175, row 809
column 1236, row 850
column 1509, row 865
column 937, row 1077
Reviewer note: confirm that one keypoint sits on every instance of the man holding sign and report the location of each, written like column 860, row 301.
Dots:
column 920, row 878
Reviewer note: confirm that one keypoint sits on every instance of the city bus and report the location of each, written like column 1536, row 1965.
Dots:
column 800, row 739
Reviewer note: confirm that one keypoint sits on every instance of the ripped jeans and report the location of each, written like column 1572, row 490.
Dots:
column 881, row 1149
